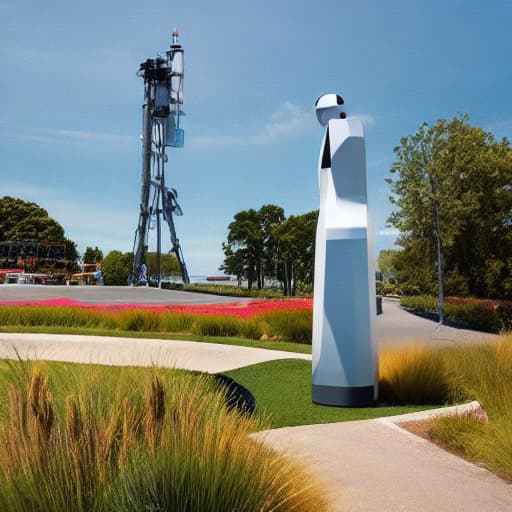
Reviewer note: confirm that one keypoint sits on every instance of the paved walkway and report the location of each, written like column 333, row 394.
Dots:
column 396, row 326
column 187, row 355
column 376, row 466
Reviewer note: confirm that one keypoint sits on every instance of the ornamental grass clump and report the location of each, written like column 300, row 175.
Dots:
column 140, row 320
column 92, row 438
column 252, row 328
column 216, row 325
column 413, row 375
column 288, row 320
column 483, row 372
column 49, row 316
column 482, row 314
column 177, row 322
column 292, row 325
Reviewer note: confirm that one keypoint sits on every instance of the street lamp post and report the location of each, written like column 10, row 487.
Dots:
column 439, row 251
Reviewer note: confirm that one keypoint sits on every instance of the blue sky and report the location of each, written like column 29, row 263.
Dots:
column 70, row 102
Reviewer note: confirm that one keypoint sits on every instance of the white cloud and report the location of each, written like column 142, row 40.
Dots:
column 388, row 232
column 60, row 136
column 367, row 119
column 86, row 136
column 287, row 122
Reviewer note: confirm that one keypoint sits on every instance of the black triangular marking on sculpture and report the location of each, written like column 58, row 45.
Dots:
column 326, row 157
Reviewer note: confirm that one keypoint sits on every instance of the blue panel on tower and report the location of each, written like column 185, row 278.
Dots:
column 179, row 138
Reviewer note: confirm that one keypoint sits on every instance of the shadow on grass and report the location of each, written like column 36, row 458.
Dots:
column 282, row 390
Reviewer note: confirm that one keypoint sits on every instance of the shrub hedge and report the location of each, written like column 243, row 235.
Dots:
column 234, row 291
column 482, row 314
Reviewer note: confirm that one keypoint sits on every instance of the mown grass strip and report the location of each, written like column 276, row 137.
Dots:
column 282, row 390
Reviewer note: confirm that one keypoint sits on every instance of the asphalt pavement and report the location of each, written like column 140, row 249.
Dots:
column 109, row 295
column 398, row 327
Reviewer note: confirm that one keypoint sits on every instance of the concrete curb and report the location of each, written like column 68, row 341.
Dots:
column 454, row 410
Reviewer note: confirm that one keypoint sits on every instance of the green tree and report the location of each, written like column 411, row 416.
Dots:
column 71, row 254
column 264, row 244
column 22, row 221
column 270, row 217
column 92, row 255
column 466, row 175
column 245, row 241
column 169, row 264
column 296, row 248
column 234, row 261
column 386, row 264
column 250, row 247
column 116, row 268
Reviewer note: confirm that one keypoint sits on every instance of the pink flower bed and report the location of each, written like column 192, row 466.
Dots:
column 245, row 309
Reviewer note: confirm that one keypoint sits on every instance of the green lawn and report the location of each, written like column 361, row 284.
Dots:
column 282, row 390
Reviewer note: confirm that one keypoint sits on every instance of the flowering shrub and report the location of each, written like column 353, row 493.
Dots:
column 240, row 309
column 244, row 310
column 484, row 314
column 288, row 320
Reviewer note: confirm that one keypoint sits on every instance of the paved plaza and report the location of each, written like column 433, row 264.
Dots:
column 110, row 295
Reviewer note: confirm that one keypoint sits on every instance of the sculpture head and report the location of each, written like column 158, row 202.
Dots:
column 329, row 106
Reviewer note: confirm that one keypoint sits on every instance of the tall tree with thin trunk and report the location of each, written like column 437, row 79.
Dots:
column 452, row 189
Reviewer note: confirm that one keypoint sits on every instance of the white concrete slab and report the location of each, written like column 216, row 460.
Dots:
column 375, row 466
column 187, row 355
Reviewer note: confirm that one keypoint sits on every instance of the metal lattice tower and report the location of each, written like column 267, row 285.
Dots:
column 161, row 112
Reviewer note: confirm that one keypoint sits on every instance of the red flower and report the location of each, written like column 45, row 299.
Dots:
column 242, row 310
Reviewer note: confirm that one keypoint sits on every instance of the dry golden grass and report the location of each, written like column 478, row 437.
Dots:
column 471, row 371
column 133, row 439
column 412, row 374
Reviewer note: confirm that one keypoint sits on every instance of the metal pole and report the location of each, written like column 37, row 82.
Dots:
column 141, row 233
column 158, row 239
column 439, row 262
column 434, row 187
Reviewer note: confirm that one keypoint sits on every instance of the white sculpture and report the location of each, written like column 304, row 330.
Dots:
column 345, row 358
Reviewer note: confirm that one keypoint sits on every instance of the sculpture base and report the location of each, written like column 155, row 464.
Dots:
column 344, row 397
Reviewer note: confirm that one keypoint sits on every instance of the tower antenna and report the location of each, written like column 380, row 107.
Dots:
column 161, row 113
